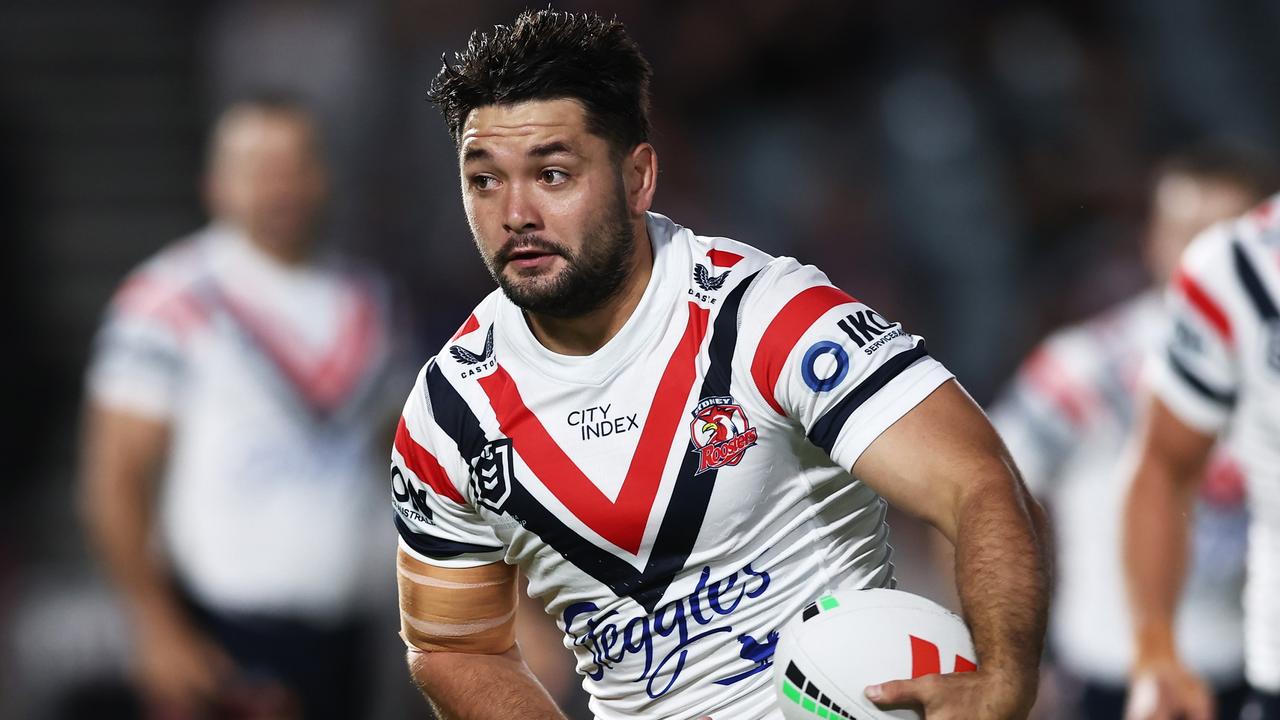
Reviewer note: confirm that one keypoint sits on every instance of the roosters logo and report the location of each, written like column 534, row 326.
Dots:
column 721, row 433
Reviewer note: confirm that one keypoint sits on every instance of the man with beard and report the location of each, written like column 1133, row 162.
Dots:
column 679, row 439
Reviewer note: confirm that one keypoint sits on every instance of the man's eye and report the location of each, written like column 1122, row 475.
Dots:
column 554, row 177
column 483, row 182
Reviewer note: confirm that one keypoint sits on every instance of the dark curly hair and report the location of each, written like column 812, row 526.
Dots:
column 552, row 55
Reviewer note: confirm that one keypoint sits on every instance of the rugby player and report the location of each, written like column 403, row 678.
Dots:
column 229, row 470
column 1217, row 370
column 680, row 440
column 1066, row 418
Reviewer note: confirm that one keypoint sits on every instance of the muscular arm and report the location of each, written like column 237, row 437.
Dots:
column 459, row 625
column 1156, row 517
column 121, row 455
column 120, row 459
column 945, row 464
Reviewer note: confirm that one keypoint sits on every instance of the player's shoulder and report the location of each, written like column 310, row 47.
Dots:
column 1228, row 268
column 784, row 283
column 469, row 350
column 174, row 275
column 1215, row 255
column 713, row 267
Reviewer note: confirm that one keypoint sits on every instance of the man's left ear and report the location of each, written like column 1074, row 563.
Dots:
column 640, row 169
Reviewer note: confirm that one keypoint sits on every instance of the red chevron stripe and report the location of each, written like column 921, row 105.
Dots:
column 621, row 522
column 325, row 381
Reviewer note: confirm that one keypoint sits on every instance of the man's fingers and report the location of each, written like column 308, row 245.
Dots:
column 897, row 692
column 1200, row 706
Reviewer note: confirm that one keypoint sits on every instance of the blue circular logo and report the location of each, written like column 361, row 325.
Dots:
column 808, row 371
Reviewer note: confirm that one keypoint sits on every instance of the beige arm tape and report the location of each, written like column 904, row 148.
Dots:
column 470, row 610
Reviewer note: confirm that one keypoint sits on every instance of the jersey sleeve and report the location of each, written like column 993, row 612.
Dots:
column 1194, row 370
column 1043, row 410
column 831, row 363
column 139, row 355
column 435, row 519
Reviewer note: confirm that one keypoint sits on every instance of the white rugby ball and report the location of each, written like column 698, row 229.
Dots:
column 849, row 639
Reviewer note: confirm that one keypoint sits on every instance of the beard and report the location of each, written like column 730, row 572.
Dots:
column 589, row 277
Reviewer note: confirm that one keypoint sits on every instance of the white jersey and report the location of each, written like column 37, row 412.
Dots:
column 676, row 496
column 274, row 382
column 1068, row 418
column 1220, row 364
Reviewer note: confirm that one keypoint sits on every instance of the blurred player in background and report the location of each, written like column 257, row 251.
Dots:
column 1216, row 372
column 659, row 429
column 1066, row 418
column 239, row 387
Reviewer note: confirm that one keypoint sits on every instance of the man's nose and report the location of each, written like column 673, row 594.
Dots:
column 521, row 211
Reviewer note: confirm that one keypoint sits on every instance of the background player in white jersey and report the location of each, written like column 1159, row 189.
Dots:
column 1066, row 418
column 1218, row 370
column 660, row 428
column 248, row 370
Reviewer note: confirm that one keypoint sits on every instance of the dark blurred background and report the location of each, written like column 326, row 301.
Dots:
column 976, row 170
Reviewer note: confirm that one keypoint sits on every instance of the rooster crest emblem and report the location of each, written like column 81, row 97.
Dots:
column 706, row 280
column 466, row 357
column 721, row 433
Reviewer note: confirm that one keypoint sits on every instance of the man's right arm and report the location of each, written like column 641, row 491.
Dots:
column 121, row 455
column 459, row 624
column 1157, row 515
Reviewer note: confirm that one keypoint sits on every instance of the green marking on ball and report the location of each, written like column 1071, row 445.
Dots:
column 828, row 602
column 791, row 691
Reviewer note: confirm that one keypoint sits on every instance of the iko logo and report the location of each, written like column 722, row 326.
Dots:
column 406, row 494
column 868, row 326
column 492, row 472
column 485, row 360
column 833, row 376
column 706, row 280
column 926, row 660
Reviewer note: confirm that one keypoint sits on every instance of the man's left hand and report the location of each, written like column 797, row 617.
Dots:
column 979, row 695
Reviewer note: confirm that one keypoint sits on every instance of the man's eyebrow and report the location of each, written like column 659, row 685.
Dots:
column 475, row 153
column 555, row 147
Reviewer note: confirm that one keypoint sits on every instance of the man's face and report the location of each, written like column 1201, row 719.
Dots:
column 547, row 206
column 267, row 178
column 1183, row 206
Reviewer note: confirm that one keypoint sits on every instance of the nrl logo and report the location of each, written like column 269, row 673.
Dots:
column 721, row 433
column 491, row 475
column 706, row 280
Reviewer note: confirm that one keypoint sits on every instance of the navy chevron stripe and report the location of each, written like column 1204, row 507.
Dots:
column 1253, row 285
column 826, row 430
column 685, row 511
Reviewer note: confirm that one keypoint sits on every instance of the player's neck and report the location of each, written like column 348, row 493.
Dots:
column 585, row 334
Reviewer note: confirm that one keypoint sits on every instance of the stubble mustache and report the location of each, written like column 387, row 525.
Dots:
column 517, row 244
